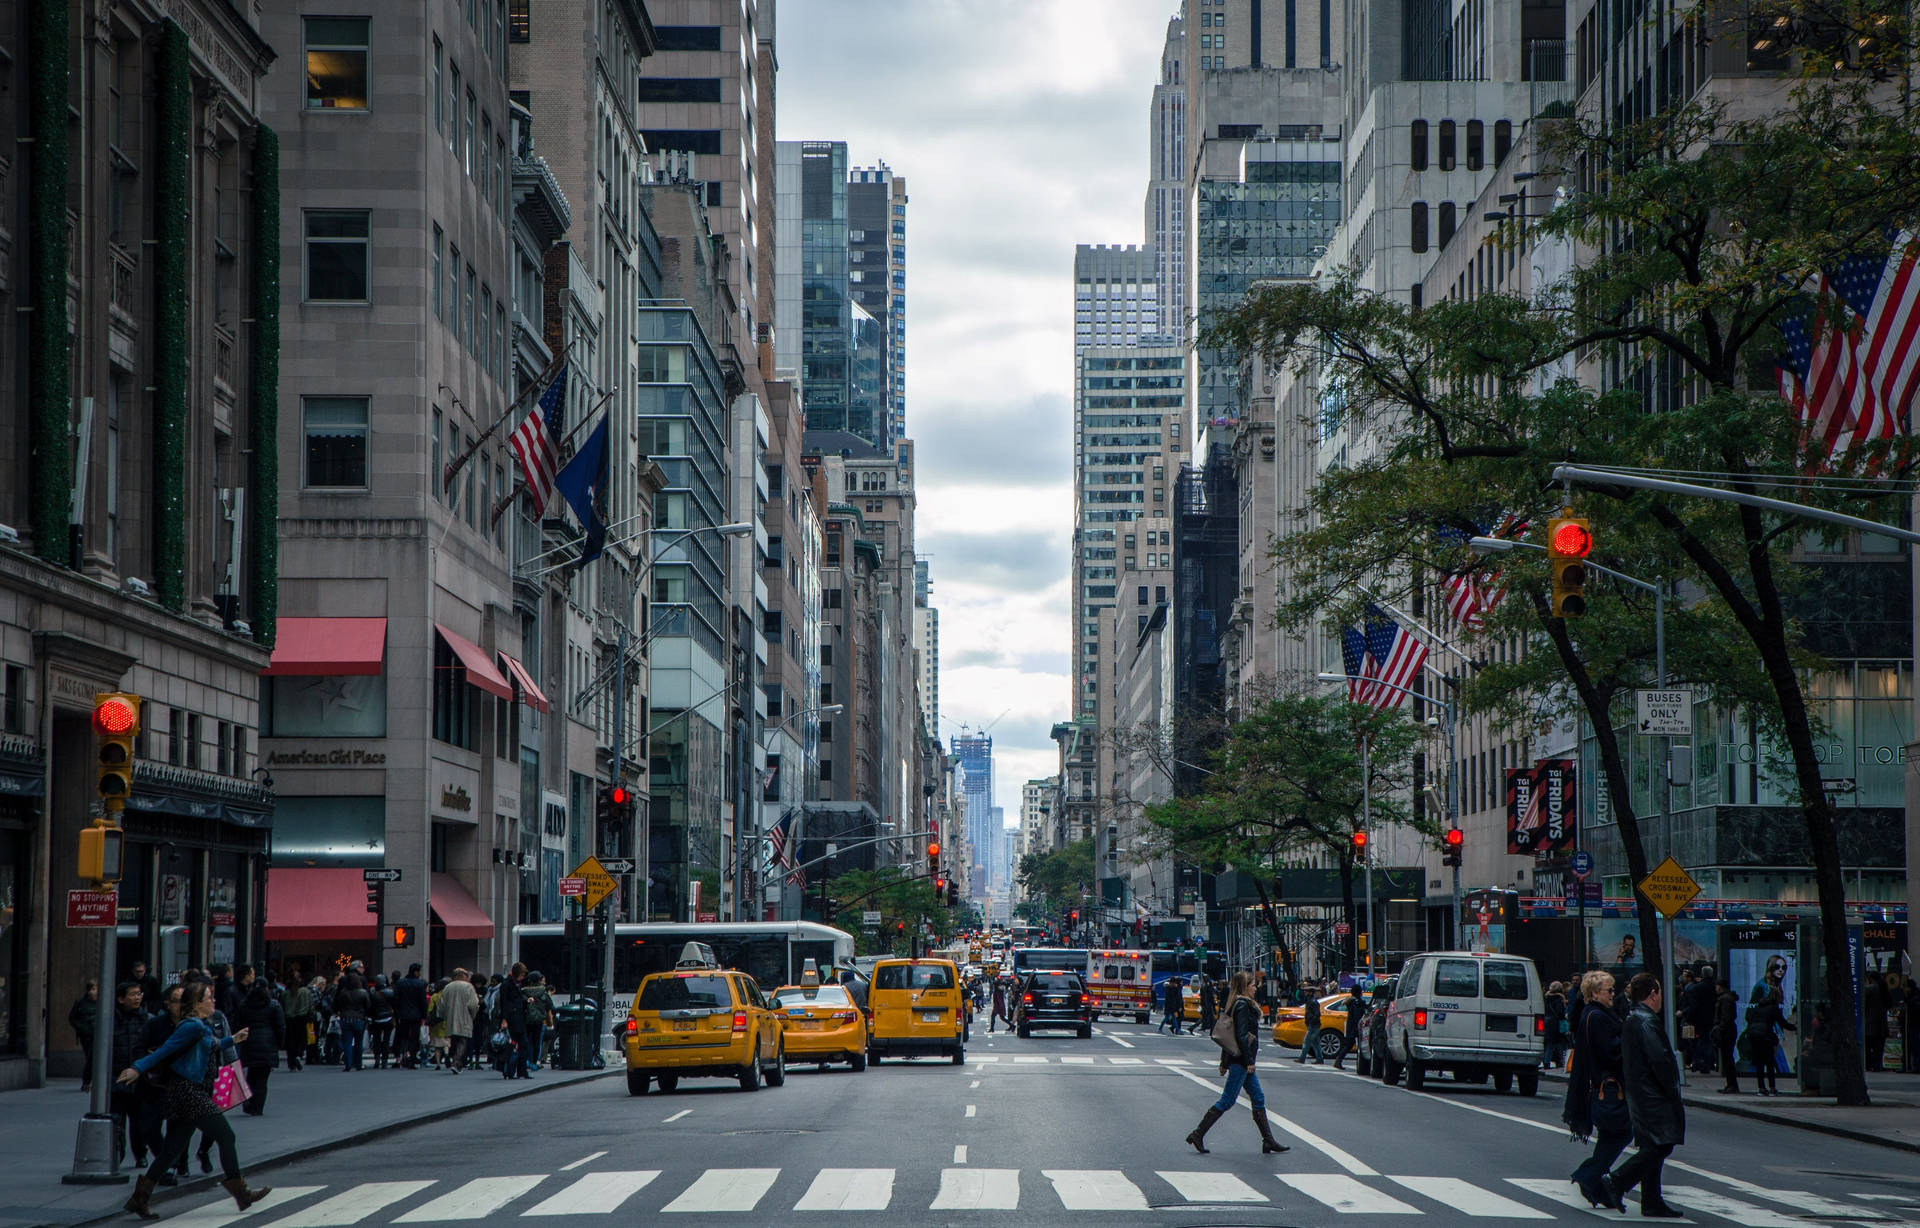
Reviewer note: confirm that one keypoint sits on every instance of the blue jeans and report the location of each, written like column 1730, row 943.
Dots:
column 1238, row 1076
column 353, row 1042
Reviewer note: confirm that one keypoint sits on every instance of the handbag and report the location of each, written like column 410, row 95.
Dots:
column 1609, row 1108
column 1223, row 1036
column 230, row 1088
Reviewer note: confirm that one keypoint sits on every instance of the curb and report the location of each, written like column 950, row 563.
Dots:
column 1798, row 1123
column 304, row 1151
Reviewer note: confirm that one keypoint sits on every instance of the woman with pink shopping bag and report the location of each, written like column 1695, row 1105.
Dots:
column 190, row 1083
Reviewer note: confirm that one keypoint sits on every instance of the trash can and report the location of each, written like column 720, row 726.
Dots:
column 576, row 1046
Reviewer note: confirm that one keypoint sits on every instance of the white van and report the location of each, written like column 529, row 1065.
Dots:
column 1468, row 1013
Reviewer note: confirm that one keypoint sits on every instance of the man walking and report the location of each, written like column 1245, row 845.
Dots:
column 129, row 1030
column 1171, row 1016
column 1700, row 1011
column 1350, row 1036
column 1310, row 1041
column 409, row 1012
column 510, row 1008
column 299, row 1011
column 1654, row 1105
column 999, row 1004
column 458, row 1006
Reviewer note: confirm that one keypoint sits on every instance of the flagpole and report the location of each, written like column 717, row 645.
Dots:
column 539, row 381
column 507, row 499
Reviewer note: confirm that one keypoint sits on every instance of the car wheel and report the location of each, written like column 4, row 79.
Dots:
column 1390, row 1071
column 1416, row 1076
column 858, row 1062
column 959, row 1055
column 1330, row 1041
column 637, row 1082
column 1529, row 1082
column 669, row 1083
column 1503, row 1081
column 874, row 1057
column 1023, row 1031
column 1141, row 1017
column 750, row 1075
column 777, row 1077
column 1086, row 1033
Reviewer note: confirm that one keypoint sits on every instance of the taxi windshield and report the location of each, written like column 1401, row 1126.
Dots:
column 913, row 976
column 679, row 993
column 812, row 995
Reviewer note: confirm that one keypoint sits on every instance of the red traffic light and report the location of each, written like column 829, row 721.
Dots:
column 900, row 925
column 619, row 795
column 1359, row 840
column 939, row 884
column 933, row 849
column 1570, row 539
column 115, row 717
column 1454, row 838
column 1074, row 915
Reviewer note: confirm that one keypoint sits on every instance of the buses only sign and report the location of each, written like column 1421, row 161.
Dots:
column 1663, row 713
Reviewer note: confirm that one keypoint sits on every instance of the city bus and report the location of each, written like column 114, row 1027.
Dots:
column 771, row 952
column 1186, row 964
column 1050, row 959
column 1025, row 933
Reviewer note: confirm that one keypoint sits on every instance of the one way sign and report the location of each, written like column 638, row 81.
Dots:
column 616, row 865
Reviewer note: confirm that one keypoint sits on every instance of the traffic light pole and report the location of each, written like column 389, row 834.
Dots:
column 1366, row 845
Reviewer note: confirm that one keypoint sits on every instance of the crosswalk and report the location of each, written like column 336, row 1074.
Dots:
column 772, row 1191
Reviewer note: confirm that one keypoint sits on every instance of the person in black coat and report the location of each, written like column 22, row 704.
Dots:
column 265, row 1023
column 1310, row 1041
column 1350, row 1037
column 1726, row 1031
column 511, row 1007
column 1873, row 1008
column 1596, row 1105
column 1170, row 1015
column 409, row 1012
column 129, row 1029
column 1238, row 1067
column 1653, row 1102
column 1766, row 1016
column 149, row 1095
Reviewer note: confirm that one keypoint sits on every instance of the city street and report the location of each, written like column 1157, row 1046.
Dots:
column 1049, row 1130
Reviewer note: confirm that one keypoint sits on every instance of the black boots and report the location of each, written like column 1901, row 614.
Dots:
column 242, row 1196
column 1267, row 1145
column 142, row 1194
column 1199, row 1135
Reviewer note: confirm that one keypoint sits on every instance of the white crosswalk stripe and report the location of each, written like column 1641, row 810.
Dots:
column 1468, row 1198
column 221, row 1211
column 1811, row 1204
column 1564, row 1192
column 978, row 1189
column 1095, row 1189
column 1076, row 1061
column 353, row 1205
column 848, row 1189
column 595, row 1193
column 725, row 1189
column 1346, row 1195
column 477, row 1199
column 1212, row 1187
column 1712, row 1202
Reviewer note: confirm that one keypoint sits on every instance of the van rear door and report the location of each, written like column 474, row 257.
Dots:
column 1454, row 1018
column 1509, row 995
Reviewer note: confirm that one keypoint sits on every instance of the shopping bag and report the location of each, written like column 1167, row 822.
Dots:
column 230, row 1088
column 1223, row 1035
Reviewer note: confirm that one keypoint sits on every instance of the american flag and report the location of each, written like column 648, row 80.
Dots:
column 1353, row 654
column 1472, row 595
column 1852, row 367
column 1397, row 657
column 777, row 840
column 533, row 442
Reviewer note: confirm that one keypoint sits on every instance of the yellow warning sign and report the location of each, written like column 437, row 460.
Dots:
column 601, row 884
column 1669, row 888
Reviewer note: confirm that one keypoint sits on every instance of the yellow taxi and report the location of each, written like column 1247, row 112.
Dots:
column 822, row 1023
column 702, row 1021
column 917, row 1010
column 1290, row 1024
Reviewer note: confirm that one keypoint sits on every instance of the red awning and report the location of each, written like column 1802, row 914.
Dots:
column 535, row 697
column 313, row 904
column 457, row 910
column 316, row 647
column 480, row 670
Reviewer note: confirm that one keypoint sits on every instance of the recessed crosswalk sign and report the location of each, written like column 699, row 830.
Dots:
column 1669, row 888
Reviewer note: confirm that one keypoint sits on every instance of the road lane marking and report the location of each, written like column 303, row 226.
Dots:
column 1558, row 1189
column 567, row 1168
column 477, row 1199
column 1469, row 1199
column 970, row 1110
column 1346, row 1195
column 595, row 1193
column 1126, row 1061
column 1338, row 1156
column 1076, row 1061
column 1814, row 1204
column 973, row 1084
column 848, row 1189
column 1746, row 1214
column 1125, row 1044
column 978, row 1189
column 1095, row 1189
column 960, row 1153
column 1173, row 1061
column 354, row 1205
column 991, row 1057
column 1212, row 1187
column 725, row 1189
column 214, row 1214
column 1030, row 1061
column 675, row 1117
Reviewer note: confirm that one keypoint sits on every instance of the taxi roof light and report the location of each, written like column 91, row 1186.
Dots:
column 697, row 955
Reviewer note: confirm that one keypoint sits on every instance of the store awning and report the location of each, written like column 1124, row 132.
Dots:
column 480, row 670
column 326, row 647
column 315, row 904
column 535, row 697
column 454, row 908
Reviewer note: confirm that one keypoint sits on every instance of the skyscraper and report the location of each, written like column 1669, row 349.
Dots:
column 1167, row 179
column 877, row 277
column 975, row 752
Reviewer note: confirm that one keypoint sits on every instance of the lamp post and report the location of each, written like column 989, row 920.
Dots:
column 1501, row 545
column 739, row 845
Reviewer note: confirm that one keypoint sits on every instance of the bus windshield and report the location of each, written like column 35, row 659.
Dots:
column 773, row 953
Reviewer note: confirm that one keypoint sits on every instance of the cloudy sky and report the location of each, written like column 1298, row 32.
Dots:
column 1021, row 128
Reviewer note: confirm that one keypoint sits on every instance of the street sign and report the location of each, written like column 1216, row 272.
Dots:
column 870, row 917
column 573, row 886
column 617, row 865
column 92, row 909
column 1341, row 929
column 600, row 884
column 1581, row 863
column 1669, row 888
column 379, row 876
column 1845, row 784
column 1663, row 713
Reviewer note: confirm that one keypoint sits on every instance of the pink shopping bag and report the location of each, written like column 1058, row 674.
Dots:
column 230, row 1088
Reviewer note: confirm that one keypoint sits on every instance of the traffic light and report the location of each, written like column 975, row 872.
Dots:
column 1450, row 845
column 116, row 722
column 1359, row 843
column 1074, row 916
column 933, row 849
column 1569, row 541
column 100, row 853
column 399, row 935
column 376, row 897
column 953, row 894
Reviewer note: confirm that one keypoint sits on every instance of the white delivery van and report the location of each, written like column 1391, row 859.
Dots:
column 1471, row 1014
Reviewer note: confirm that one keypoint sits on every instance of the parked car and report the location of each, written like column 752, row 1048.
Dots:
column 1371, row 1045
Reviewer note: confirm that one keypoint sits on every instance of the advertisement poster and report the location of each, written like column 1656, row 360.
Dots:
column 1752, row 952
column 1616, row 943
column 1541, row 804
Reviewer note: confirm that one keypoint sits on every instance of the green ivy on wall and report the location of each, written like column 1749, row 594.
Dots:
column 49, row 378
column 172, row 209
column 264, row 436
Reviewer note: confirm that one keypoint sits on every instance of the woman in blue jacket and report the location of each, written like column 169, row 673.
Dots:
column 186, row 1067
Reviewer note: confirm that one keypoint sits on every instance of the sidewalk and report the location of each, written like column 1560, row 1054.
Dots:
column 310, row 1110
column 1892, row 1120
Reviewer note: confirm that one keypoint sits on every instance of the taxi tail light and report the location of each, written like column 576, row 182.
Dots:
column 846, row 1016
column 739, row 1021
column 633, row 1027
column 1420, row 1019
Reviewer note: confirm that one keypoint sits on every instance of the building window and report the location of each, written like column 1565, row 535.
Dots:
column 337, row 63
column 467, row 309
column 483, row 338
column 1419, row 225
column 1446, row 221
column 336, row 433
column 433, row 474
column 453, row 106
column 679, row 89
column 452, row 698
column 1502, row 140
column 453, row 289
column 439, row 88
column 1476, row 145
column 466, row 135
column 687, row 38
column 439, row 305
column 1446, row 147
column 339, row 250
column 519, row 22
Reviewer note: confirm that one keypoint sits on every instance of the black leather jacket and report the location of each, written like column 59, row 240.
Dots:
column 1246, row 1031
column 1653, row 1081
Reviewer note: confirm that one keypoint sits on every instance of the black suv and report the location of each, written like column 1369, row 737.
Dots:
column 1053, row 1000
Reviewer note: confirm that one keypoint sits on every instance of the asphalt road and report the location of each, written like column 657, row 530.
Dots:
column 1043, row 1131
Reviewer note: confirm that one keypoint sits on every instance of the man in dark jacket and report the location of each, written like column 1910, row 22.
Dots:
column 235, row 994
column 151, row 1096
column 265, row 1022
column 409, row 1012
column 1310, row 1042
column 510, row 1009
column 1171, row 1016
column 1350, row 1038
column 129, row 1029
column 1653, row 1101
column 1873, row 1010
column 1726, row 1031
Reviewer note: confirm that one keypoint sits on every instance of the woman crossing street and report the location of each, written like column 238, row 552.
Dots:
column 1237, row 1064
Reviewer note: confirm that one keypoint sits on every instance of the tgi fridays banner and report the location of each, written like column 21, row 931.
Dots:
column 1541, row 807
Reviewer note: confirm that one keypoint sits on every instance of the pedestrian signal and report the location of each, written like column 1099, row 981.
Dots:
column 399, row 935
column 1569, row 541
